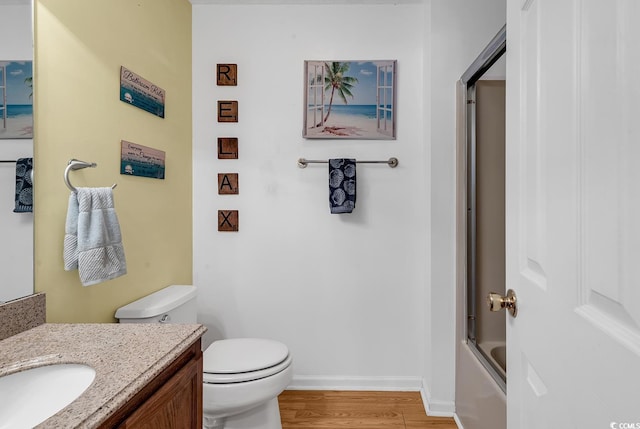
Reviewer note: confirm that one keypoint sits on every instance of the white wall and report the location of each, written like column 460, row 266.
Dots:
column 16, row 229
column 370, row 294
column 344, row 292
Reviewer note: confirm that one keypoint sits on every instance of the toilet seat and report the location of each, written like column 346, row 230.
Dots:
column 243, row 359
column 217, row 378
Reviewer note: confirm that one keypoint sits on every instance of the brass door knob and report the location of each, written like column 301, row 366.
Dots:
column 497, row 302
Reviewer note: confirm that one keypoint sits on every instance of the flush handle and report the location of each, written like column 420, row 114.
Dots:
column 165, row 319
column 497, row 302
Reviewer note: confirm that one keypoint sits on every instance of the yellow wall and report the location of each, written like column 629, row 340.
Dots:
column 79, row 48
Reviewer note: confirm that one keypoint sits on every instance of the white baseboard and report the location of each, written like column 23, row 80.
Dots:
column 305, row 382
column 458, row 422
column 437, row 408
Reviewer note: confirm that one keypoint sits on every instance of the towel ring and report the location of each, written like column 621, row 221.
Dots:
column 76, row 164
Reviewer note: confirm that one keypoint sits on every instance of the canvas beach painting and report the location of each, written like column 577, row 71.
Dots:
column 350, row 100
column 16, row 99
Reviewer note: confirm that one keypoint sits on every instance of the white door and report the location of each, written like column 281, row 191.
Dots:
column 573, row 213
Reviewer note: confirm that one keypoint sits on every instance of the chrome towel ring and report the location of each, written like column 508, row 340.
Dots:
column 76, row 164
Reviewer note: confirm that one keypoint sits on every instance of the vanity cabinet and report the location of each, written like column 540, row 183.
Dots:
column 171, row 400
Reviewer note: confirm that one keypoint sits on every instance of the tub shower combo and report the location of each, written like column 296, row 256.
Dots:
column 485, row 207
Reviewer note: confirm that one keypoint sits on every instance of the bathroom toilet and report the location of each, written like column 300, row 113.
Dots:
column 242, row 376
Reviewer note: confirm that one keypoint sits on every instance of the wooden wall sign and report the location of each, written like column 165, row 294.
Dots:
column 227, row 148
column 228, row 220
column 228, row 184
column 227, row 74
column 138, row 160
column 139, row 92
column 227, row 111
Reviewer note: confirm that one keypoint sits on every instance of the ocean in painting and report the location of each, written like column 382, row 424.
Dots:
column 18, row 122
column 363, row 110
column 366, row 110
column 16, row 110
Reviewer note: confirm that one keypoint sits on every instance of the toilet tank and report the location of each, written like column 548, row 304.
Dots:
column 173, row 304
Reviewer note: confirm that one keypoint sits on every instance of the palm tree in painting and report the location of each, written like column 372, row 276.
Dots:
column 336, row 80
column 29, row 82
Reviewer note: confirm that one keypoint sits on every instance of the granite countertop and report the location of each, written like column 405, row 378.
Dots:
column 125, row 357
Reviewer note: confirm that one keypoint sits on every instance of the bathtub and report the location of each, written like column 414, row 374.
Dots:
column 481, row 402
column 496, row 354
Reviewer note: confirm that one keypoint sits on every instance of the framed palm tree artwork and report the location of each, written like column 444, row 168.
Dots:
column 16, row 99
column 350, row 100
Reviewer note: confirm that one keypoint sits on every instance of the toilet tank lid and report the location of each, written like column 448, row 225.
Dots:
column 157, row 303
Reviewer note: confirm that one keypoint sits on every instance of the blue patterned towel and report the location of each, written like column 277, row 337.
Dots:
column 342, row 185
column 24, row 185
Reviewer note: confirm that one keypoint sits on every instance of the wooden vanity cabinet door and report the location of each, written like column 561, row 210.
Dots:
column 174, row 405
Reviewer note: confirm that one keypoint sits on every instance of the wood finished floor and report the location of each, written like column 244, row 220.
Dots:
column 328, row 409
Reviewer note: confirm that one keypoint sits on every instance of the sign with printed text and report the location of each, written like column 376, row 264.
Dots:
column 141, row 93
column 138, row 160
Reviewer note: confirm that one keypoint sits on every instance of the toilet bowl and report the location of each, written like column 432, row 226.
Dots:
column 242, row 377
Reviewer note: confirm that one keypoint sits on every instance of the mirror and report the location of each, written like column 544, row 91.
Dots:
column 16, row 229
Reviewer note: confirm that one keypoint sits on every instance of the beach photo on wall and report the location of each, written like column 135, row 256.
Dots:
column 16, row 99
column 350, row 100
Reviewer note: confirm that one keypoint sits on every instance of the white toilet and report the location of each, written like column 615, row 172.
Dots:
column 242, row 377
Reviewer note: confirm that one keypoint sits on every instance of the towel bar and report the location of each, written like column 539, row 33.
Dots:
column 76, row 164
column 8, row 161
column 392, row 162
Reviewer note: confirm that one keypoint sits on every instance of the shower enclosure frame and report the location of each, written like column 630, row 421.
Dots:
column 487, row 58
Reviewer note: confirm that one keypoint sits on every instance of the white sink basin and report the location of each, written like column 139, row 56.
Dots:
column 29, row 397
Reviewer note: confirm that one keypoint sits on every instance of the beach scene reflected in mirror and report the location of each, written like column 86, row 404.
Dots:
column 350, row 100
column 16, row 99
